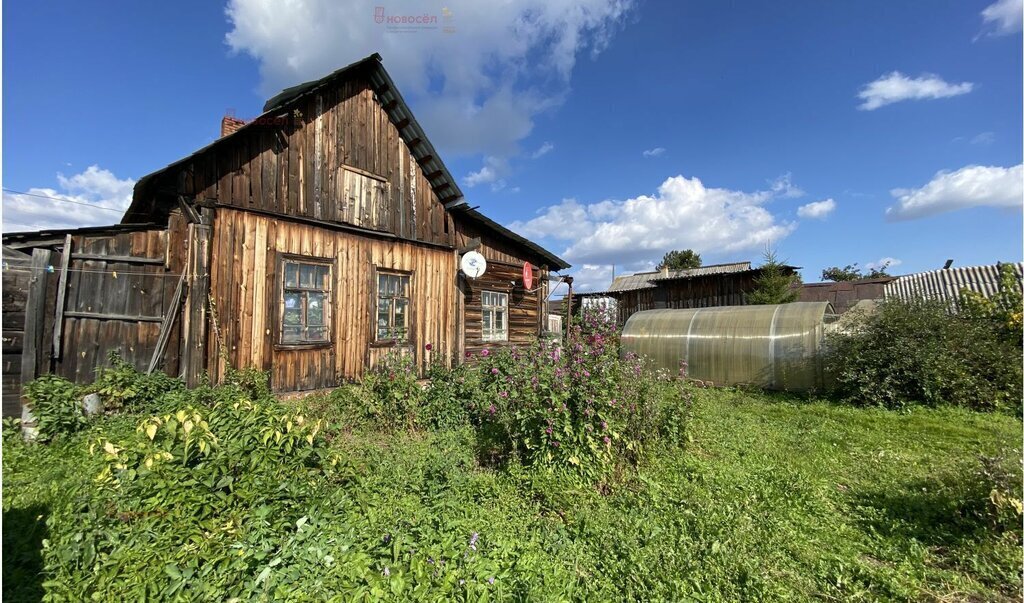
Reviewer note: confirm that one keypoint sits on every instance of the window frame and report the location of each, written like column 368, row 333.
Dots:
column 410, row 317
column 284, row 259
column 492, row 335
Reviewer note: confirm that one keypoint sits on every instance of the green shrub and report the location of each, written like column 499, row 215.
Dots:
column 918, row 352
column 57, row 406
column 448, row 395
column 395, row 398
column 576, row 407
column 124, row 389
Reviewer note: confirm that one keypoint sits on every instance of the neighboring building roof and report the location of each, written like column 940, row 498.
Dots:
column 947, row 283
column 441, row 180
column 650, row 280
column 44, row 238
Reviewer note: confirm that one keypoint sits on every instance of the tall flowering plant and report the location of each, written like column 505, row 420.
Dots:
column 572, row 404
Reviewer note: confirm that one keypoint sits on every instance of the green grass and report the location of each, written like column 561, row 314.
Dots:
column 772, row 499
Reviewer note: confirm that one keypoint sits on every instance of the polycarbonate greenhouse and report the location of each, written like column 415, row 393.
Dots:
column 774, row 346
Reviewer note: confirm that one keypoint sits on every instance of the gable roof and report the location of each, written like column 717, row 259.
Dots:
column 654, row 279
column 412, row 134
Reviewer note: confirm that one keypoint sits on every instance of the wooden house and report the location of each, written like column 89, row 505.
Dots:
column 308, row 242
column 707, row 286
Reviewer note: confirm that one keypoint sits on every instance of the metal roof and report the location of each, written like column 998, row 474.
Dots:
column 44, row 237
column 650, row 280
column 946, row 284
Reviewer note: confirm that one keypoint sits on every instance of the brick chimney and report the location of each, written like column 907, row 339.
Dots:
column 229, row 124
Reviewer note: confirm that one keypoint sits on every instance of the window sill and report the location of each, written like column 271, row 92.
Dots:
column 390, row 344
column 305, row 345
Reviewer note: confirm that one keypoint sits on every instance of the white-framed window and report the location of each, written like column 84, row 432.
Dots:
column 495, row 315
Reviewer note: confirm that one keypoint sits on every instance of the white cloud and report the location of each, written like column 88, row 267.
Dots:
column 984, row 138
column 1007, row 16
column 895, row 87
column 783, row 187
column 971, row 186
column 544, row 149
column 682, row 214
column 492, row 172
column 817, row 210
column 882, row 263
column 477, row 89
column 655, row 152
column 80, row 202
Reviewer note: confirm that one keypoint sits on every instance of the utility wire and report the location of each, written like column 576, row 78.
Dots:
column 97, row 206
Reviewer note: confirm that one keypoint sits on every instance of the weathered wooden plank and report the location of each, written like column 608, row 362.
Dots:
column 165, row 326
column 62, row 285
column 34, row 309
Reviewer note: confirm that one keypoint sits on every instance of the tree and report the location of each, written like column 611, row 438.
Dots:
column 680, row 260
column 775, row 283
column 852, row 273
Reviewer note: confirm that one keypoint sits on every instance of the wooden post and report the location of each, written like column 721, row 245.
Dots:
column 193, row 332
column 35, row 308
column 568, row 308
column 62, row 285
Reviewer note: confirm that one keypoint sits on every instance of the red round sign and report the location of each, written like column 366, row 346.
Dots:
column 528, row 275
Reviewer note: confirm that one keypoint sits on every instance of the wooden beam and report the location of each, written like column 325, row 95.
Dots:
column 120, row 259
column 391, row 104
column 402, row 124
column 193, row 326
column 165, row 327
column 383, row 88
column 187, row 210
column 425, row 159
column 442, row 186
column 62, row 285
column 433, row 175
column 415, row 142
column 124, row 317
column 35, row 307
column 469, row 246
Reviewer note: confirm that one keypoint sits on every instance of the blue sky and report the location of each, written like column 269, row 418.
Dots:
column 610, row 131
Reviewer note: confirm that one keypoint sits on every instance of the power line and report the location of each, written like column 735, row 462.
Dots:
column 120, row 211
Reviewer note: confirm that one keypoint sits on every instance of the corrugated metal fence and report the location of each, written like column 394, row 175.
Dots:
column 947, row 284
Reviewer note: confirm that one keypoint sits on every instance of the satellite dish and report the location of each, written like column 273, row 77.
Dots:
column 473, row 264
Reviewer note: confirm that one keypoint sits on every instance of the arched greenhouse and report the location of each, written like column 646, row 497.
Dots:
column 773, row 346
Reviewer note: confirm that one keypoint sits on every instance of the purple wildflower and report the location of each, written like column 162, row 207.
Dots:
column 604, row 425
column 472, row 540
column 607, row 440
column 556, row 443
column 494, row 371
column 428, row 347
column 503, row 394
column 492, row 409
column 491, row 580
column 485, row 353
column 386, row 572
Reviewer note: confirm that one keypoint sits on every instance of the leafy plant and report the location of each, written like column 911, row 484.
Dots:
column 56, row 405
column 124, row 389
column 575, row 407
column 852, row 272
column 918, row 352
column 1003, row 310
column 394, row 395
